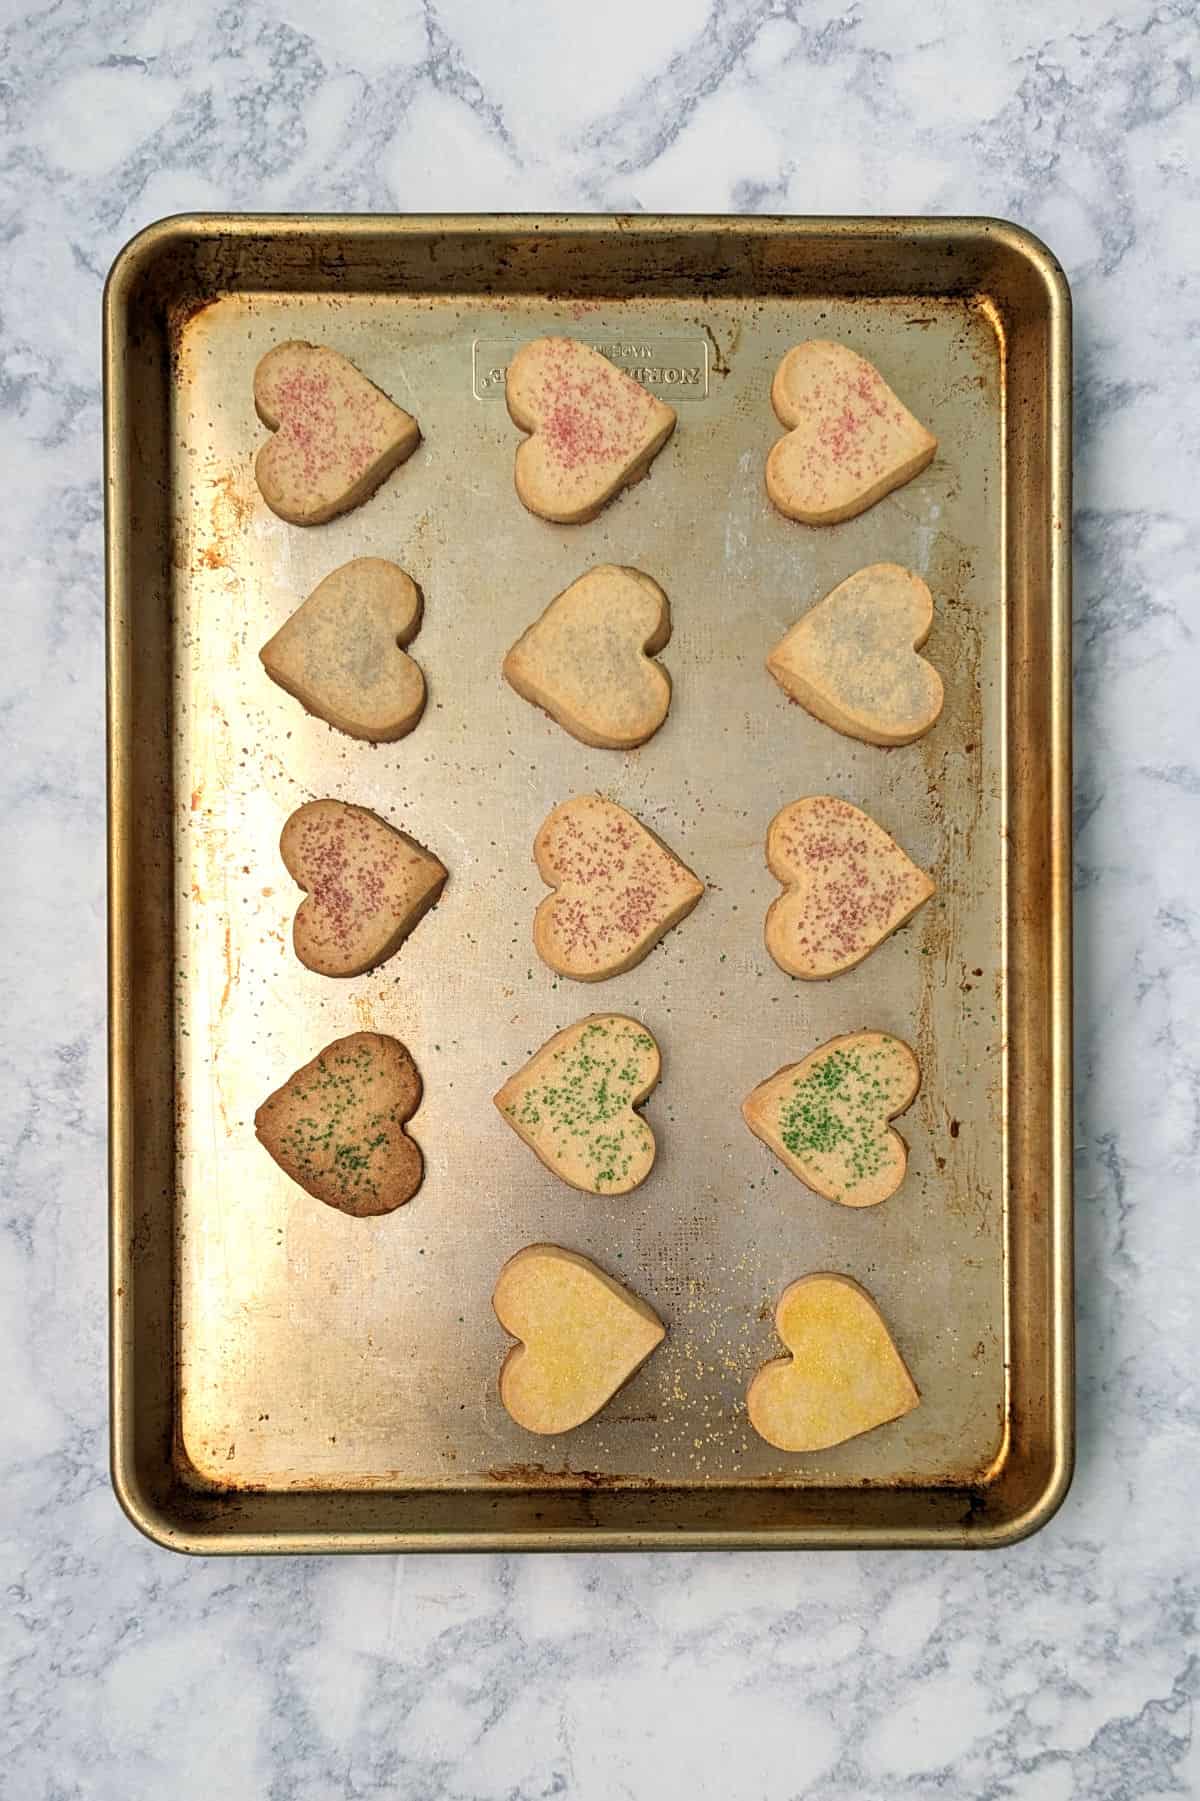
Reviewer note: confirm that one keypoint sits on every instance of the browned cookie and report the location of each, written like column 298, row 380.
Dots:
column 337, row 1125
column 367, row 883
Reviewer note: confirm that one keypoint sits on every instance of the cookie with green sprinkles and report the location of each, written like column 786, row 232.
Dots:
column 827, row 1117
column 574, row 1103
column 337, row 1126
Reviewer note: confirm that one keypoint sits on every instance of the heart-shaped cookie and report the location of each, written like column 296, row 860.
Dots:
column 367, row 883
column 852, row 659
column 582, row 1337
column 847, row 886
column 844, row 1375
column 337, row 1125
column 341, row 653
column 573, row 1103
column 850, row 442
column 586, row 661
column 827, row 1117
column 337, row 435
column 594, row 430
column 618, row 889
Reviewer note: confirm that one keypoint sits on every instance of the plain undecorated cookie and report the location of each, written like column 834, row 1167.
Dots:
column 617, row 889
column 583, row 1335
column 843, row 1376
column 852, row 659
column 593, row 429
column 341, row 654
column 368, row 885
column 337, row 1126
column 337, row 436
column 573, row 1103
column 847, row 886
column 850, row 440
column 587, row 660
column 827, row 1117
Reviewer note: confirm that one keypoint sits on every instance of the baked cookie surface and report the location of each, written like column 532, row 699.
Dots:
column 336, row 435
column 593, row 429
column 850, row 439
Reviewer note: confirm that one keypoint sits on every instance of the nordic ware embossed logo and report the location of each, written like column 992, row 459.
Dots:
column 675, row 368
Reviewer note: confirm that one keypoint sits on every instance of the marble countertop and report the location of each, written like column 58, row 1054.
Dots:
column 1065, row 1667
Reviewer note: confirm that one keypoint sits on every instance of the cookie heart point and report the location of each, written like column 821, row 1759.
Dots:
column 593, row 429
column 851, row 439
column 341, row 653
column 847, row 887
column 852, row 660
column 617, row 889
column 587, row 660
column 583, row 1335
column 337, row 1126
column 574, row 1103
column 844, row 1375
column 368, row 886
column 827, row 1117
column 337, row 436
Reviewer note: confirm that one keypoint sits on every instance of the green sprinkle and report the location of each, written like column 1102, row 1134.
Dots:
column 582, row 1105
column 840, row 1109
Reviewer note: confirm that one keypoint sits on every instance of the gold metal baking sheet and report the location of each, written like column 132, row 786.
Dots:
column 288, row 1378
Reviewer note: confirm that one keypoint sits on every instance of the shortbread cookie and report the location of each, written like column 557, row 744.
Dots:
column 618, row 889
column 593, row 429
column 850, row 441
column 852, row 659
column 573, row 1103
column 337, row 1125
column 582, row 1337
column 586, row 661
column 827, row 1117
column 337, row 435
column 342, row 651
column 367, row 883
column 847, row 886
column 844, row 1375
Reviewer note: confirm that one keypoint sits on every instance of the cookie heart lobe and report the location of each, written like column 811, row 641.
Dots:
column 827, row 1116
column 593, row 429
column 847, row 886
column 337, row 436
column 850, row 439
column 844, row 1375
column 583, row 1335
column 337, row 1126
column 573, row 1103
column 852, row 660
column 617, row 889
column 587, row 660
column 341, row 654
column 367, row 883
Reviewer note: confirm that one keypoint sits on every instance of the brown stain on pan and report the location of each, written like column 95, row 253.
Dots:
column 539, row 1475
column 952, row 756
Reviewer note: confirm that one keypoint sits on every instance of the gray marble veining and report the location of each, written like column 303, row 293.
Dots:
column 1064, row 1668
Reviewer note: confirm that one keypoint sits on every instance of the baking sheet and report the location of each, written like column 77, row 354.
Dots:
column 322, row 1354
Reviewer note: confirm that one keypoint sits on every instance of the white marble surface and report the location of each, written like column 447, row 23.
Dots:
column 1063, row 1668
